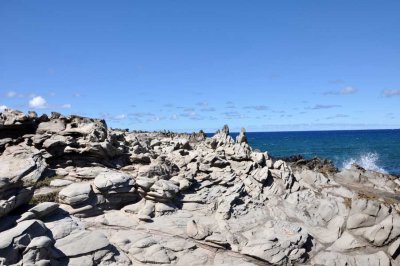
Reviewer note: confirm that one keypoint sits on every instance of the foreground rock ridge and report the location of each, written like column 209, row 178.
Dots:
column 74, row 192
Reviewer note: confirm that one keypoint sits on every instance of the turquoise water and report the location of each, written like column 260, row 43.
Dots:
column 372, row 149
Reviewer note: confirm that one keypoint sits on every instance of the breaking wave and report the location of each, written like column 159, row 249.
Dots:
column 368, row 161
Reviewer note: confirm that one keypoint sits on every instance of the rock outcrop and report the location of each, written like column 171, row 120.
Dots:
column 75, row 192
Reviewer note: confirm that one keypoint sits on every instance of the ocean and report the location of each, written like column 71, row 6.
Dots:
column 377, row 150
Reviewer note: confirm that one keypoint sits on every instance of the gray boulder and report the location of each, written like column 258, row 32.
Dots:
column 75, row 194
column 15, row 240
column 20, row 168
column 41, row 210
column 40, row 251
column 114, row 181
column 52, row 126
column 82, row 242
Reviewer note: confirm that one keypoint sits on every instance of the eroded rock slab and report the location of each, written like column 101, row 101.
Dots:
column 112, row 197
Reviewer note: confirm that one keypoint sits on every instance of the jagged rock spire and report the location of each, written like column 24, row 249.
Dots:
column 242, row 138
column 225, row 129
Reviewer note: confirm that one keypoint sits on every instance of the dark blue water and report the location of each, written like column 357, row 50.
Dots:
column 373, row 149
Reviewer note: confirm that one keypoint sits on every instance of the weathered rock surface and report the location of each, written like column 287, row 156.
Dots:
column 21, row 167
column 113, row 197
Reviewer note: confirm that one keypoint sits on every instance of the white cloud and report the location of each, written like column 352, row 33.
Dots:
column 325, row 106
column 202, row 104
column 120, row 117
column 344, row 91
column 208, row 109
column 3, row 107
column 337, row 116
column 11, row 94
column 257, row 107
column 234, row 115
column 111, row 117
column 347, row 90
column 391, row 93
column 37, row 102
column 66, row 106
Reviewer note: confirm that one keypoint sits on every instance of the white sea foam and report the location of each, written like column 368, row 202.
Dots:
column 368, row 161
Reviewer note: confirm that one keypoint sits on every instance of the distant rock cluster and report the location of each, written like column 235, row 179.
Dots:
column 74, row 192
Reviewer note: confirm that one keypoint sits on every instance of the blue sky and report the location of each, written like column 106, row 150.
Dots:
column 190, row 65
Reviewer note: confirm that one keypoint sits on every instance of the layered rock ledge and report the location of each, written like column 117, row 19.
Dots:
column 75, row 192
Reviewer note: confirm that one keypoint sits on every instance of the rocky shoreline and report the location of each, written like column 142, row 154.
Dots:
column 74, row 192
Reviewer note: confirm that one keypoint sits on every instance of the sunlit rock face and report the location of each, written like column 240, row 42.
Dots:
column 74, row 192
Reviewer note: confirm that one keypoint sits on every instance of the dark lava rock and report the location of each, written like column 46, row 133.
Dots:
column 315, row 164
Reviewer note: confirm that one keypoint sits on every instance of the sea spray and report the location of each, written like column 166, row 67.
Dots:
column 368, row 161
